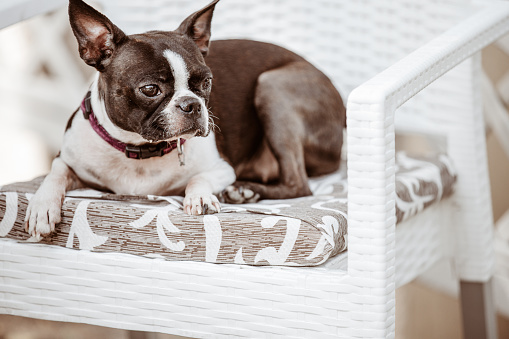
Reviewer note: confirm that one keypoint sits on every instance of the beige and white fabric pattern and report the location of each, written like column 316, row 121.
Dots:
column 298, row 232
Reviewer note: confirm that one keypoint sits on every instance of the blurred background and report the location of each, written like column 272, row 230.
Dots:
column 43, row 80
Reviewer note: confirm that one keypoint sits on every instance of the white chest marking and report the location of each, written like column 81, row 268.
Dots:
column 96, row 162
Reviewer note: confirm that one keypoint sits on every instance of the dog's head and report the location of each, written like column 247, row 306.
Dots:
column 155, row 84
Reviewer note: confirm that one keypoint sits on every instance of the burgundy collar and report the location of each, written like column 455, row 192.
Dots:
column 144, row 151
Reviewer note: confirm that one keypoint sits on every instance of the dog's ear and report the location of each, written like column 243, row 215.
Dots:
column 197, row 27
column 97, row 36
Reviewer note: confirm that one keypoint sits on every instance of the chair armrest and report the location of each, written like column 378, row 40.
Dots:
column 370, row 133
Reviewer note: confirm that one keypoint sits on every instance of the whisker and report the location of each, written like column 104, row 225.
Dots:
column 213, row 125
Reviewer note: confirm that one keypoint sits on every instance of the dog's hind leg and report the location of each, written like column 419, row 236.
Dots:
column 301, row 112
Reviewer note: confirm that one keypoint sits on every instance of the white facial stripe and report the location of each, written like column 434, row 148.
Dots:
column 181, row 87
column 179, row 70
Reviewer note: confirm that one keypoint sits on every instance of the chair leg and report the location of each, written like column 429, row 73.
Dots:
column 142, row 335
column 479, row 315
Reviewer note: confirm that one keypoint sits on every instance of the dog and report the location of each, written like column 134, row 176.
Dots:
column 146, row 126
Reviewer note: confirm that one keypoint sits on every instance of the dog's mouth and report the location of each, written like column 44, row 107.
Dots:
column 162, row 133
column 166, row 126
column 194, row 129
column 190, row 133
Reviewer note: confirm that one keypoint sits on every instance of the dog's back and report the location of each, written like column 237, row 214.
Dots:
column 269, row 100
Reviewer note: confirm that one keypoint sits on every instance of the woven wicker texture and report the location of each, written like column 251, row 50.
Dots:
column 379, row 54
column 372, row 106
column 298, row 232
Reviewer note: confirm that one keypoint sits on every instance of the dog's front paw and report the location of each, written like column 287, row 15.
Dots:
column 43, row 213
column 238, row 195
column 197, row 204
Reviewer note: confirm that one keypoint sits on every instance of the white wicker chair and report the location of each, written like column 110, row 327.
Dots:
column 437, row 45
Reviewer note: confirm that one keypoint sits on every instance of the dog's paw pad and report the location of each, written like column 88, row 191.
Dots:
column 197, row 204
column 239, row 195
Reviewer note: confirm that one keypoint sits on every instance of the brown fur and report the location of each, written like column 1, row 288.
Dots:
column 280, row 119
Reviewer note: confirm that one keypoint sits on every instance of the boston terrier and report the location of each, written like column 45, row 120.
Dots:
column 171, row 113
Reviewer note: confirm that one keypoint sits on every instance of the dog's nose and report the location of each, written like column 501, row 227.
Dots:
column 189, row 105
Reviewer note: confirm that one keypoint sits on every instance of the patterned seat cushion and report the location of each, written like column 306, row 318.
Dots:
column 298, row 232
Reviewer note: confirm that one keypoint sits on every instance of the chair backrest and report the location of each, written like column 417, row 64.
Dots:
column 350, row 41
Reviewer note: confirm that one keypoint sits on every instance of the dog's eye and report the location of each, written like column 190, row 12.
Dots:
column 206, row 84
column 150, row 90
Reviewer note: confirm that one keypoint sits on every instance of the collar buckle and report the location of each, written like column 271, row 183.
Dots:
column 146, row 151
